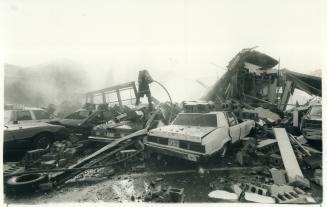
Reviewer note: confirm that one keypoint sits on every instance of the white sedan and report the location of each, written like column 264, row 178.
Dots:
column 196, row 136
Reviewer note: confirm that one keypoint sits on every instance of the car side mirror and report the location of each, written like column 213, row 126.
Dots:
column 15, row 122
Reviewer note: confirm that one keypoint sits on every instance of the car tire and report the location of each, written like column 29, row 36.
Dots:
column 26, row 183
column 42, row 141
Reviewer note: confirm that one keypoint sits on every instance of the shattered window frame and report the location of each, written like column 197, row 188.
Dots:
column 39, row 114
column 26, row 117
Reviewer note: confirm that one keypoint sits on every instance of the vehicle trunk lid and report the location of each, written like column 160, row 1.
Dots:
column 185, row 133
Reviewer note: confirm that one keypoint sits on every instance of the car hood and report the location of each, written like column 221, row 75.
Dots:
column 186, row 133
column 71, row 122
column 32, row 125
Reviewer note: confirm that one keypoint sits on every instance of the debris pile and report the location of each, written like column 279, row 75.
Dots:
column 248, row 105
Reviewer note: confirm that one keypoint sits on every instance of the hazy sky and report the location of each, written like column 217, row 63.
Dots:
column 178, row 41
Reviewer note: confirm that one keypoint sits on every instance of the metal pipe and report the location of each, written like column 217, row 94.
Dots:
column 171, row 101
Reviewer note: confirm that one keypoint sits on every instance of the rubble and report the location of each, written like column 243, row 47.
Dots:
column 279, row 176
column 317, row 177
column 250, row 101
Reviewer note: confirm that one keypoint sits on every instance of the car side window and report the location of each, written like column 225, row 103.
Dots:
column 231, row 119
column 39, row 114
column 23, row 115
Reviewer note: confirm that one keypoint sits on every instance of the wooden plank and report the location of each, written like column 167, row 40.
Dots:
column 286, row 95
column 290, row 162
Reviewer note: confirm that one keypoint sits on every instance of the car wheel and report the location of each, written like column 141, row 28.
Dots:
column 42, row 141
column 26, row 183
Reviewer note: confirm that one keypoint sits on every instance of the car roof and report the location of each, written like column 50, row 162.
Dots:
column 25, row 108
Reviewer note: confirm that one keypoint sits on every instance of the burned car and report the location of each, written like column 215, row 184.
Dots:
column 197, row 136
column 24, row 131
column 311, row 124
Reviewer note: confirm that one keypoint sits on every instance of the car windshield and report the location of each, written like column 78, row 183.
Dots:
column 316, row 111
column 39, row 114
column 204, row 120
column 79, row 115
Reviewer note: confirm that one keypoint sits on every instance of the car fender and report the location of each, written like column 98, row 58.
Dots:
column 215, row 140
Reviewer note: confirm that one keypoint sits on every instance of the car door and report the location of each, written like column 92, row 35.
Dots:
column 23, row 125
column 234, row 128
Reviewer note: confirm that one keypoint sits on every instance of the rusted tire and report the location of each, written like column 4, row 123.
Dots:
column 26, row 183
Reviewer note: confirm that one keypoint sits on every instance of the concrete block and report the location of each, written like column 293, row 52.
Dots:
column 248, row 187
column 280, row 189
column 291, row 198
column 279, row 176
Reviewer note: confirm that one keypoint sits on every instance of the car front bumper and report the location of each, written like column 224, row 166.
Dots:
column 183, row 154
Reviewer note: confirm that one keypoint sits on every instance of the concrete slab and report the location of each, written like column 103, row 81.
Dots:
column 253, row 197
column 291, row 164
column 224, row 195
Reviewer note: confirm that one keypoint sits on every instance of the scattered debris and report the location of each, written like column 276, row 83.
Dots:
column 248, row 104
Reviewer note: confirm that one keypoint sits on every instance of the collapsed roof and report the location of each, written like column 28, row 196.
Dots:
column 251, row 79
column 308, row 83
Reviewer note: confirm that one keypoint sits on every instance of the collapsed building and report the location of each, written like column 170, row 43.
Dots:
column 252, row 80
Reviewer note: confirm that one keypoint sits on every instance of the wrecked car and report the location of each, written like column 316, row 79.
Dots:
column 311, row 124
column 197, row 136
column 28, row 114
column 81, row 122
column 24, row 131
column 134, row 119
